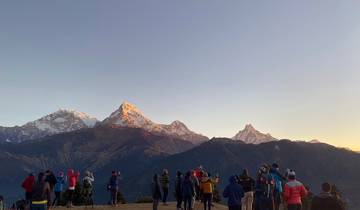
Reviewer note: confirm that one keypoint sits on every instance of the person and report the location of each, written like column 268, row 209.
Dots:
column 248, row 185
column 306, row 201
column 28, row 184
column 50, row 178
column 40, row 193
column 2, row 203
column 58, row 188
column 88, row 187
column 325, row 200
column 155, row 191
column 195, row 180
column 279, row 179
column 264, row 189
column 72, row 181
column 178, row 190
column 113, row 187
column 165, row 182
column 234, row 193
column 188, row 191
column 207, row 188
column 293, row 192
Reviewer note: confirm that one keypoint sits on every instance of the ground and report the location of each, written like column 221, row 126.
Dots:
column 145, row 206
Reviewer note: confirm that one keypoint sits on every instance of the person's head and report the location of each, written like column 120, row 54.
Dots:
column 165, row 171
column 245, row 173
column 71, row 171
column 263, row 169
column 275, row 166
column 61, row 174
column 41, row 177
column 232, row 179
column 1, row 198
column 326, row 187
column 188, row 175
column 155, row 178
column 48, row 172
column 178, row 173
column 292, row 175
column 113, row 173
column 87, row 173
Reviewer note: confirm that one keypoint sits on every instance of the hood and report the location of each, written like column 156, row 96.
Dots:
column 324, row 195
column 232, row 179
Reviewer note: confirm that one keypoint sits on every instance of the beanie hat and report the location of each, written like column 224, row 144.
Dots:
column 292, row 174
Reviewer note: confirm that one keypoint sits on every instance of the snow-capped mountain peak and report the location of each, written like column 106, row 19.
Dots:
column 128, row 115
column 63, row 120
column 252, row 136
column 60, row 121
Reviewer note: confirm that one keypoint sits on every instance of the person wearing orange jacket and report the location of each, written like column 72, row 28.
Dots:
column 293, row 192
column 207, row 189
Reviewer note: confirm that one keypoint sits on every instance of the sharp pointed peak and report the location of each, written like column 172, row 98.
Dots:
column 249, row 126
column 128, row 107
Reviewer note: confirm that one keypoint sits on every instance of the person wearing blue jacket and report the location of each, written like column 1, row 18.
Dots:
column 58, row 189
column 188, row 191
column 279, row 181
column 234, row 193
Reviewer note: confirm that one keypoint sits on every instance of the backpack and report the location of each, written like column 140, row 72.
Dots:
column 86, row 184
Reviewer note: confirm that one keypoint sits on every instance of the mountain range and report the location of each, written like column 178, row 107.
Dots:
column 127, row 115
column 138, row 147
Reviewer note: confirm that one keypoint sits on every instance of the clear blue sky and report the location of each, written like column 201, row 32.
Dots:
column 290, row 68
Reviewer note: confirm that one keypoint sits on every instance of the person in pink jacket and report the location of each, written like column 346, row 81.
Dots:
column 293, row 192
column 72, row 180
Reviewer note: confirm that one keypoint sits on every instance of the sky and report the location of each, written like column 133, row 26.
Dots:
column 290, row 68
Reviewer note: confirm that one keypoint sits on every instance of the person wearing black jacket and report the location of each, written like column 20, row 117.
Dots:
column 325, row 201
column 51, row 179
column 248, row 185
column 178, row 189
column 156, row 192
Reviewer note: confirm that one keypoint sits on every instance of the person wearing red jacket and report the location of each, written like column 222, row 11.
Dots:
column 72, row 180
column 293, row 192
column 28, row 184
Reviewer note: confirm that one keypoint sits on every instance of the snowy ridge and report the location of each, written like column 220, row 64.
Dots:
column 60, row 121
column 129, row 115
column 250, row 135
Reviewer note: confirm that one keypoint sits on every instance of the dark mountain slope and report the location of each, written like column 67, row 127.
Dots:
column 101, row 149
column 314, row 163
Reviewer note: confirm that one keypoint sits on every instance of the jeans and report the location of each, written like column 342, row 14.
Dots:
column 155, row 204
column 277, row 200
column 165, row 192
column 266, row 204
column 113, row 196
column 247, row 201
column 70, row 197
column 294, row 206
column 187, row 202
column 207, row 199
column 56, row 199
column 179, row 200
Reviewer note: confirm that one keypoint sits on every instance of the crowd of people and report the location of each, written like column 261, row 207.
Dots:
column 46, row 190
column 269, row 190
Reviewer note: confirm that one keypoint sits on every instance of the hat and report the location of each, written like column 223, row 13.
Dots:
column 292, row 173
